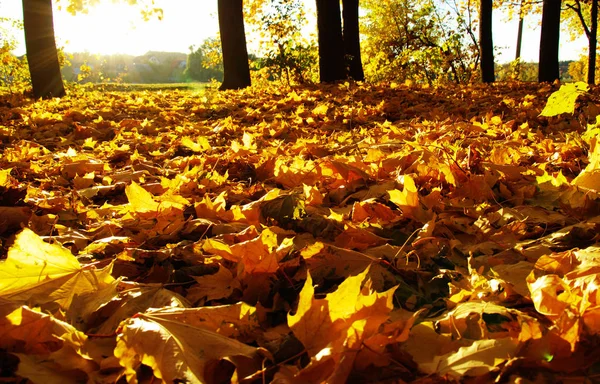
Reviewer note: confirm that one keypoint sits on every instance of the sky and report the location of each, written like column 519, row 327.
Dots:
column 118, row 28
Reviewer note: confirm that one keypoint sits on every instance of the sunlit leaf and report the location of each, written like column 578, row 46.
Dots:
column 200, row 145
column 140, row 200
column 39, row 272
column 475, row 360
column 563, row 100
column 178, row 351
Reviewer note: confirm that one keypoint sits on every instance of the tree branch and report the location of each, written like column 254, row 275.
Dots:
column 577, row 10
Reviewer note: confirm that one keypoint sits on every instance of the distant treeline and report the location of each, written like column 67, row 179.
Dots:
column 152, row 67
column 529, row 71
column 176, row 67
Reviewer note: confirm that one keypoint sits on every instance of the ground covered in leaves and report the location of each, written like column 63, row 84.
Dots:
column 335, row 234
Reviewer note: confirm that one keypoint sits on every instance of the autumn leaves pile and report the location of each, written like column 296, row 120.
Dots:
column 342, row 233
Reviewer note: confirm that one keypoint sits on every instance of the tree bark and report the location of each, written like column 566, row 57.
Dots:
column 236, row 70
column 331, row 44
column 591, row 78
column 42, row 55
column 485, row 41
column 549, row 42
column 351, row 36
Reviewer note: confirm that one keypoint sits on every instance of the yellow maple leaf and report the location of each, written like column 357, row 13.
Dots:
column 258, row 254
column 589, row 177
column 38, row 272
column 248, row 141
column 320, row 110
column 239, row 320
column 49, row 350
column 201, row 143
column 335, row 327
column 140, row 200
column 136, row 298
column 339, row 217
column 5, row 178
column 311, row 323
column 215, row 286
column 408, row 197
column 408, row 200
column 476, row 359
column 216, row 247
column 177, row 351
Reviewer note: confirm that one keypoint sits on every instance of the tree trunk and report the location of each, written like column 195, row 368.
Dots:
column 517, row 70
column 331, row 44
column 236, row 70
column 486, row 42
column 42, row 55
column 352, row 39
column 519, row 38
column 549, row 42
column 591, row 78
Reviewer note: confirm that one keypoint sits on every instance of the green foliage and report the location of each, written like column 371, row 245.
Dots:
column 205, row 63
column 517, row 70
column 578, row 69
column 286, row 55
column 14, row 73
column 563, row 100
column 576, row 16
column 412, row 41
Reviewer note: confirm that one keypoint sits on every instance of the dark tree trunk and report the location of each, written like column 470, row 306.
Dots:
column 42, row 55
column 592, row 44
column 236, row 70
column 519, row 38
column 549, row 42
column 352, row 39
column 331, row 44
column 485, row 41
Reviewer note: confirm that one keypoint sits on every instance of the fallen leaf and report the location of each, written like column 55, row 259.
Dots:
column 36, row 272
column 177, row 351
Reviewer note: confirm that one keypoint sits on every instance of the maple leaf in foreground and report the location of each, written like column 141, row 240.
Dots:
column 334, row 329
column 176, row 350
column 36, row 273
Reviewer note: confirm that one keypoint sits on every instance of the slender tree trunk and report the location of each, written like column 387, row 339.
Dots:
column 486, row 42
column 331, row 44
column 591, row 78
column 236, row 70
column 351, row 37
column 517, row 70
column 519, row 38
column 549, row 41
column 42, row 55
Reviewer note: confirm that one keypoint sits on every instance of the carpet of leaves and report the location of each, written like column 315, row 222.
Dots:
column 341, row 233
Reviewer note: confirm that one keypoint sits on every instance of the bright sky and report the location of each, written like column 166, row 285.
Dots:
column 117, row 28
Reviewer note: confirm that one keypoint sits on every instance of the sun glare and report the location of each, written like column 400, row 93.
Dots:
column 106, row 29
column 110, row 28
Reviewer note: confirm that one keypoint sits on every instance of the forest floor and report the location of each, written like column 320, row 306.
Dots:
column 340, row 233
